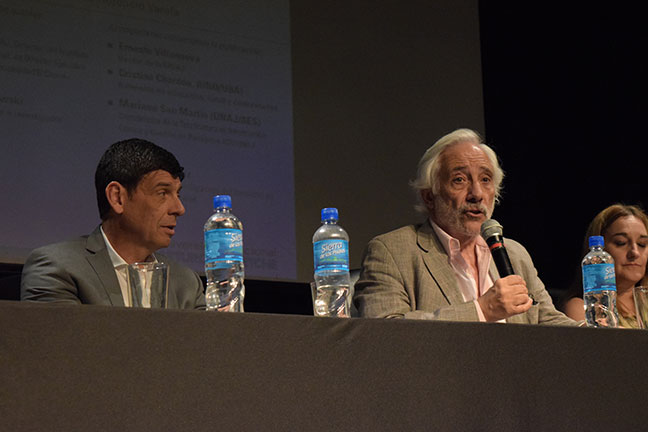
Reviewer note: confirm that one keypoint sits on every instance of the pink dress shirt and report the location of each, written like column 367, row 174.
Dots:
column 470, row 289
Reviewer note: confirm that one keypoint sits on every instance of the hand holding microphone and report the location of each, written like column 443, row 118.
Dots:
column 509, row 296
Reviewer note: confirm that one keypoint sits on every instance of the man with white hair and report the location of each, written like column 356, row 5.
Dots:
column 442, row 269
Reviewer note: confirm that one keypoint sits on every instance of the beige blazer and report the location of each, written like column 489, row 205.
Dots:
column 406, row 274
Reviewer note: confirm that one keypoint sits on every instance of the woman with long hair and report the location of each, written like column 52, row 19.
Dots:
column 625, row 230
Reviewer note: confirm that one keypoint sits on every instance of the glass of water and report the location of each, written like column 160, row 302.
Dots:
column 148, row 284
column 640, row 294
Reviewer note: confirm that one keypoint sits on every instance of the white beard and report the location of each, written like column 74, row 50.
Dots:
column 453, row 219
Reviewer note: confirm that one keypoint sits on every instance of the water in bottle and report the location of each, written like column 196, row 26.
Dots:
column 331, row 259
column 224, row 258
column 599, row 286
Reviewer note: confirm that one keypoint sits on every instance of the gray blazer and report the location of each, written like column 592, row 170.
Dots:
column 80, row 271
column 406, row 273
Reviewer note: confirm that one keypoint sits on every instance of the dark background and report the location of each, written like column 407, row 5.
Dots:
column 374, row 85
column 565, row 109
column 563, row 104
column 564, row 91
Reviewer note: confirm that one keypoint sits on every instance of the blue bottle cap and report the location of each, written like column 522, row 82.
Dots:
column 221, row 201
column 596, row 241
column 329, row 213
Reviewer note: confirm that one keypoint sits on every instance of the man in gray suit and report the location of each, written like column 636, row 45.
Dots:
column 137, row 185
column 442, row 269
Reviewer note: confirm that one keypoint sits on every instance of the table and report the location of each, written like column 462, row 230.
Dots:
column 100, row 368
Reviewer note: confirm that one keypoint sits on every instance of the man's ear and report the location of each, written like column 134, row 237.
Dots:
column 116, row 194
column 428, row 198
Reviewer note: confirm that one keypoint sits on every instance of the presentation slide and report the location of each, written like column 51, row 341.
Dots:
column 209, row 81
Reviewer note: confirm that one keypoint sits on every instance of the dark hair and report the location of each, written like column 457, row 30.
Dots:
column 126, row 162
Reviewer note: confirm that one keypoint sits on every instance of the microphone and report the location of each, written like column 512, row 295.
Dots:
column 491, row 231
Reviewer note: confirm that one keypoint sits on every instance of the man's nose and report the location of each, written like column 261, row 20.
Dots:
column 177, row 208
column 475, row 192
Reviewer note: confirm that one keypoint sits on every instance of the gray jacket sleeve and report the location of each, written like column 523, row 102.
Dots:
column 44, row 278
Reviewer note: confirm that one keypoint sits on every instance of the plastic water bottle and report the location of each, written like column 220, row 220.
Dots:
column 224, row 258
column 331, row 259
column 599, row 286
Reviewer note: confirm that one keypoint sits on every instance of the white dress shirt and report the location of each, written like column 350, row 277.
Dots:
column 121, row 269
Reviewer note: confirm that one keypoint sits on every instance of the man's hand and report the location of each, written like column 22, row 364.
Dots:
column 509, row 296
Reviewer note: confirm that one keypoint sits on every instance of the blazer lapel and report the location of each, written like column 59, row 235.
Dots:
column 492, row 271
column 100, row 262
column 436, row 261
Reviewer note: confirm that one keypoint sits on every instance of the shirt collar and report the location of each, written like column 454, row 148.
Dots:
column 452, row 245
column 116, row 259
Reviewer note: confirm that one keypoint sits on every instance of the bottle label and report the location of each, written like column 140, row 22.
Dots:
column 223, row 245
column 331, row 255
column 598, row 277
